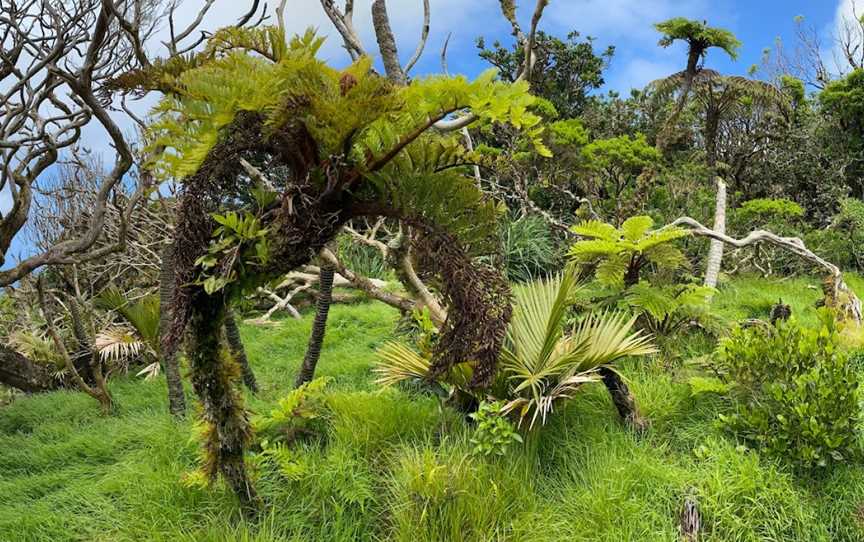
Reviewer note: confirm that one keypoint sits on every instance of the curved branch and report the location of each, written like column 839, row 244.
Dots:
column 837, row 292
column 424, row 35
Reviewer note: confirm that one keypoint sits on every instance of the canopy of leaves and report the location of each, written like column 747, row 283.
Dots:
column 622, row 155
column 565, row 72
column 698, row 35
column 844, row 100
column 350, row 111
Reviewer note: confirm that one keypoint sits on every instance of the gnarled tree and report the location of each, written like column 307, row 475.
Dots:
column 335, row 145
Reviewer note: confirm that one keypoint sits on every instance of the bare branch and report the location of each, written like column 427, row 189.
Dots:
column 387, row 43
column 424, row 35
column 849, row 304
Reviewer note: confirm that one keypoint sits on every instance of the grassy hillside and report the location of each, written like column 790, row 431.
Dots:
column 395, row 466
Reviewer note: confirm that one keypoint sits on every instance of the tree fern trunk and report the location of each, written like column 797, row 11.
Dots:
column 82, row 357
column 223, row 414
column 235, row 343
column 319, row 326
column 623, row 399
column 176, row 395
column 715, row 252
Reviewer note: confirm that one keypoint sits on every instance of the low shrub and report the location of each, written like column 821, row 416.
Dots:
column 796, row 391
column 493, row 434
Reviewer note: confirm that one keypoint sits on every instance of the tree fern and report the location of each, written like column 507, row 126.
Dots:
column 619, row 254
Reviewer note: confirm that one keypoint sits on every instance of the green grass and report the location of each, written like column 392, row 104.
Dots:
column 395, row 466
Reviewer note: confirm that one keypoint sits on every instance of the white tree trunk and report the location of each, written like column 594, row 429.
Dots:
column 715, row 251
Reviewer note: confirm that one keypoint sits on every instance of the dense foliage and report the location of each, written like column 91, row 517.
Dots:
column 798, row 394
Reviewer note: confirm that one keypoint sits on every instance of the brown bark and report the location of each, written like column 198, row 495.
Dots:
column 235, row 343
column 623, row 399
column 16, row 371
column 319, row 327
column 176, row 395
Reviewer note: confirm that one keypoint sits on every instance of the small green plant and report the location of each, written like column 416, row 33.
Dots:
column 528, row 248
column 239, row 241
column 299, row 413
column 494, row 434
column 619, row 255
column 796, row 391
column 636, row 269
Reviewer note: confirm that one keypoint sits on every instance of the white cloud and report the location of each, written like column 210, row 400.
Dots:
column 615, row 20
column 638, row 72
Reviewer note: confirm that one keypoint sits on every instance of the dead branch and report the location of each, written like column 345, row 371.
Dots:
column 838, row 294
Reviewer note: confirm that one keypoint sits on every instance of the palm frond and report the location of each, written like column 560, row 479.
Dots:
column 608, row 337
column 398, row 363
column 142, row 314
column 114, row 344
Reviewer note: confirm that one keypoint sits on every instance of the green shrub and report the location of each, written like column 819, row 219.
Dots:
column 762, row 211
column 494, row 434
column 362, row 259
column 797, row 392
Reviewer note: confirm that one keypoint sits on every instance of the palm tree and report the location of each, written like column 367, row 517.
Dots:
column 542, row 363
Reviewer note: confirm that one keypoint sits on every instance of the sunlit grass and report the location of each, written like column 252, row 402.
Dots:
column 395, row 466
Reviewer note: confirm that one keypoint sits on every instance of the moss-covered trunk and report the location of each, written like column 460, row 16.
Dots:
column 16, row 371
column 214, row 377
column 176, row 395
column 235, row 343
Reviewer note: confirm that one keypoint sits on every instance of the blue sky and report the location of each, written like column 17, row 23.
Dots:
column 626, row 24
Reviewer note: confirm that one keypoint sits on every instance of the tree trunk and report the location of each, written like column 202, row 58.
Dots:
column 715, row 251
column 319, row 326
column 176, row 395
column 235, row 343
column 82, row 357
column 387, row 43
column 223, row 413
column 690, row 72
column 16, row 371
column 623, row 400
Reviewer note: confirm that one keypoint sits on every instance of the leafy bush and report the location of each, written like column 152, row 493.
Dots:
column 528, row 248
column 301, row 412
column 797, row 392
column 763, row 211
column 494, row 434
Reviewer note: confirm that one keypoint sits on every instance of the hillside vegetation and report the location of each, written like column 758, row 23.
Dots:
column 392, row 465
